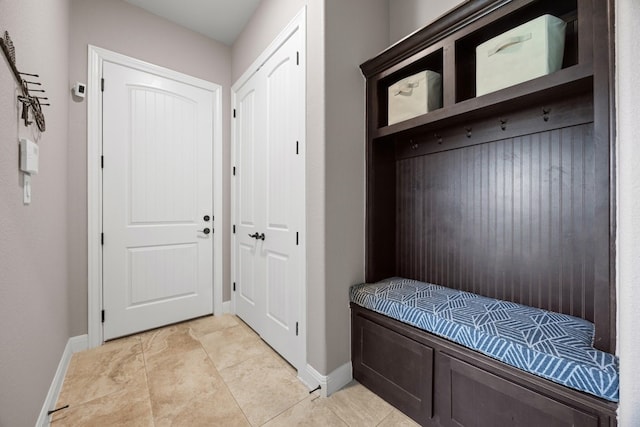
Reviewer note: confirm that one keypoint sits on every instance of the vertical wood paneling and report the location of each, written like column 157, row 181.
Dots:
column 162, row 157
column 511, row 219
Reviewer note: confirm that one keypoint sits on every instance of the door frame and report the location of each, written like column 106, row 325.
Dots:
column 298, row 23
column 96, row 58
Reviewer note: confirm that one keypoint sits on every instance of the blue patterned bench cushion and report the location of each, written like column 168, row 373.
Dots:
column 554, row 346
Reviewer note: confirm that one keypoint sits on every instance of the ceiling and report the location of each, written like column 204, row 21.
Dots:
column 221, row 20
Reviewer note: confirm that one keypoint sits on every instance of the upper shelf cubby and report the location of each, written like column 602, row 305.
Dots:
column 448, row 47
column 430, row 61
column 494, row 25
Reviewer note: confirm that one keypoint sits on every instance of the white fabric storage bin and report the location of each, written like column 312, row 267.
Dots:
column 414, row 95
column 530, row 50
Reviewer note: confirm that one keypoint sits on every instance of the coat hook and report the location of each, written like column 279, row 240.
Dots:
column 468, row 132
column 26, row 98
column 545, row 113
column 503, row 124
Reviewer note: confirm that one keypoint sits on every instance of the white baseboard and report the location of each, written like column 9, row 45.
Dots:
column 331, row 383
column 226, row 307
column 74, row 345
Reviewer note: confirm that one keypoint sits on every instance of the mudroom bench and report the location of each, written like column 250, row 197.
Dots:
column 490, row 171
column 449, row 357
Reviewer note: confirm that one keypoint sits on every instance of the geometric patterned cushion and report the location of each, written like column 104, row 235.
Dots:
column 551, row 345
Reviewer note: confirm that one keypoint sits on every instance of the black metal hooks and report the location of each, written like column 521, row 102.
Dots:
column 29, row 102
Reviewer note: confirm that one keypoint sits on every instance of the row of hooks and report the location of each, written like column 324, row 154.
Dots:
column 503, row 125
column 29, row 101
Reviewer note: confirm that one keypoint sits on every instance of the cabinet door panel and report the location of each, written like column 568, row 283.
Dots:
column 478, row 398
column 399, row 369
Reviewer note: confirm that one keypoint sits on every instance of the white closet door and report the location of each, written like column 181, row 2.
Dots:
column 284, row 202
column 270, row 199
column 250, row 199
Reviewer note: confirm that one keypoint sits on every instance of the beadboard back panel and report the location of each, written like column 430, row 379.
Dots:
column 511, row 219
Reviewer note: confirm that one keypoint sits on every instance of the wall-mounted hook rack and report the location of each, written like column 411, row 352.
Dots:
column 29, row 102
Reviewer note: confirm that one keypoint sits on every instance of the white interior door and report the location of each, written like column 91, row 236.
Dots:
column 157, row 201
column 250, row 200
column 269, row 197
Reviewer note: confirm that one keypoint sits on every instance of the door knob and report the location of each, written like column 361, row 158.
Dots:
column 205, row 231
column 254, row 235
column 206, row 218
column 261, row 236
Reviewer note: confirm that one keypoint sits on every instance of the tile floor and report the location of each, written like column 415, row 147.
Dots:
column 213, row 371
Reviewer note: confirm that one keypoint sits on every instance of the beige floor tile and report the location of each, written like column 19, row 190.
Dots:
column 168, row 377
column 398, row 419
column 358, row 406
column 209, row 324
column 263, row 388
column 185, row 389
column 246, row 326
column 311, row 412
column 234, row 345
column 286, row 364
column 212, row 409
column 167, row 340
column 129, row 406
column 102, row 371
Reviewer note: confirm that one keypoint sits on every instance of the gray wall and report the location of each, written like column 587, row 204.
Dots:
column 356, row 30
column 406, row 16
column 34, row 290
column 628, row 201
column 126, row 29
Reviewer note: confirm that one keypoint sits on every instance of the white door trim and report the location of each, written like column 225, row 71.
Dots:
column 298, row 23
column 96, row 57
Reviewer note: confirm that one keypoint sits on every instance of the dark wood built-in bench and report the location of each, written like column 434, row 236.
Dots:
column 508, row 195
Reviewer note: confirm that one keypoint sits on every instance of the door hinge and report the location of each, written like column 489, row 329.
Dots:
column 102, row 238
column 234, row 171
column 297, row 58
column 297, row 147
column 234, row 286
column 234, row 113
column 102, row 316
column 297, row 238
column 296, row 328
column 234, row 229
column 102, row 84
column 101, row 162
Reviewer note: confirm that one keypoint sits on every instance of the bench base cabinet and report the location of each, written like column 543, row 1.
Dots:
column 439, row 383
